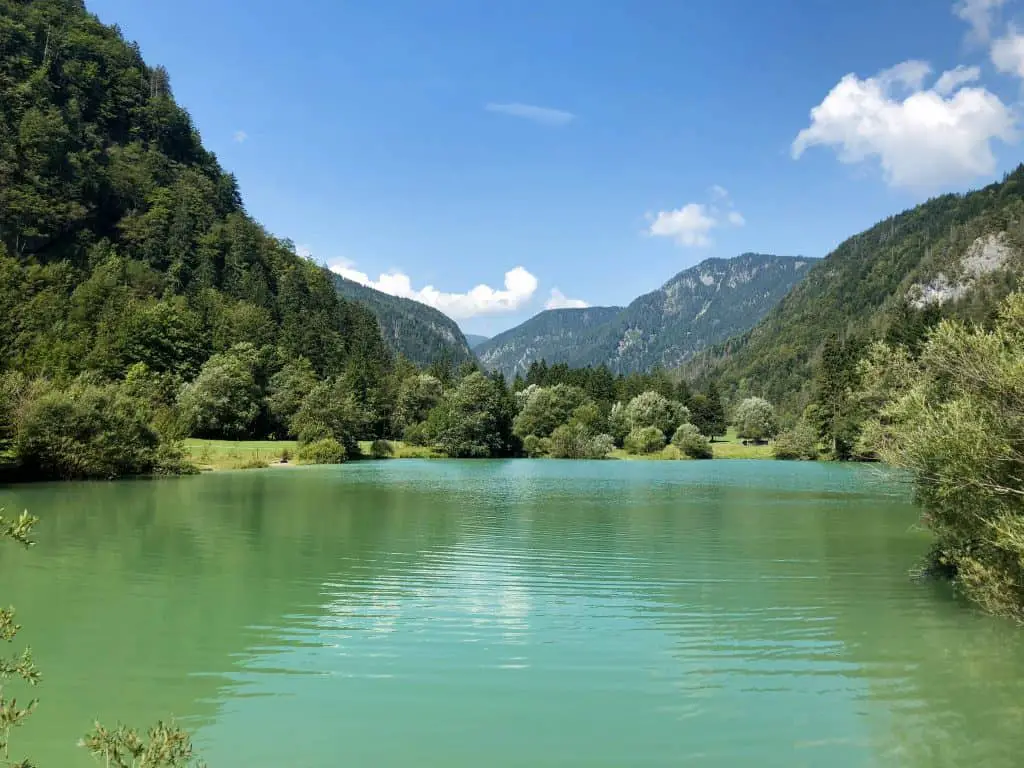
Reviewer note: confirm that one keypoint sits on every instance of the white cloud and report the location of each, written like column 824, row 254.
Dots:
column 1008, row 53
column 924, row 138
column 520, row 286
column 980, row 15
column 559, row 300
column 240, row 136
column 954, row 78
column 542, row 115
column 690, row 225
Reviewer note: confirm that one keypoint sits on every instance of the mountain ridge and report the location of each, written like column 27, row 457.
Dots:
column 699, row 306
column 953, row 255
column 410, row 328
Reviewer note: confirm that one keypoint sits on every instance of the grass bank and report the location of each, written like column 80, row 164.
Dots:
column 255, row 454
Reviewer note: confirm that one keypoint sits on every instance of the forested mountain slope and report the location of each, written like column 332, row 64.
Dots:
column 700, row 306
column 422, row 334
column 475, row 340
column 122, row 240
column 552, row 335
column 953, row 255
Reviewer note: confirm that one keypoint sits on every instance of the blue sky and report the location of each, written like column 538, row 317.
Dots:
column 589, row 147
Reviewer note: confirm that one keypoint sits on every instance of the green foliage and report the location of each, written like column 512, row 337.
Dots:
column 88, row 430
column 755, row 419
column 643, row 440
column 957, row 424
column 123, row 242
column 224, row 400
column 417, row 434
column 382, row 449
column 166, row 746
column 20, row 666
column 325, row 450
column 798, row 443
column 545, row 408
column 691, row 442
column 576, row 441
column 863, row 291
column 416, row 331
column 475, row 419
column 330, row 412
column 618, row 423
column 651, row 409
column 707, row 412
column 536, row 447
column 288, row 388
column 417, row 395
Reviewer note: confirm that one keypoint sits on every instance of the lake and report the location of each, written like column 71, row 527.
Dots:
column 509, row 613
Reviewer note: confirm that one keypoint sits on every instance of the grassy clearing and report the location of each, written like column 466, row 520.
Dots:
column 241, row 454
column 728, row 447
column 254, row 454
column 405, row 451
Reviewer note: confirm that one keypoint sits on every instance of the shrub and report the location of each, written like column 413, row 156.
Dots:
column 89, row 430
column 644, row 440
column 601, row 445
column 382, row 449
column 534, row 446
column 324, row 451
column 416, row 434
column 691, row 442
column 798, row 443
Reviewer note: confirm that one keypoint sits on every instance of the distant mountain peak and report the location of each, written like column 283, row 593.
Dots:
column 699, row 306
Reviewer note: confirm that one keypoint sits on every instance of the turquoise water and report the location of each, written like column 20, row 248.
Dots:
column 516, row 613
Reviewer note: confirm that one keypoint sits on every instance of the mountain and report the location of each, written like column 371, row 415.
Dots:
column 550, row 335
column 122, row 240
column 698, row 307
column 475, row 340
column 954, row 255
column 420, row 333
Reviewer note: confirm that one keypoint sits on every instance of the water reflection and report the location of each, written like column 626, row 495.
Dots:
column 513, row 613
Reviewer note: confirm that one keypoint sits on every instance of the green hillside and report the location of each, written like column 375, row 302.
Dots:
column 551, row 335
column 698, row 307
column 422, row 334
column 953, row 255
column 122, row 240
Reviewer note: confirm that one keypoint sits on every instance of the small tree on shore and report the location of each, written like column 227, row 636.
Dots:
column 755, row 419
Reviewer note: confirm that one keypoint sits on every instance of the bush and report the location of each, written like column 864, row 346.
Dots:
column 798, row 443
column 382, row 449
column 691, row 442
column 575, row 441
column 534, row 446
column 88, row 431
column 416, row 434
column 644, row 440
column 324, row 451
